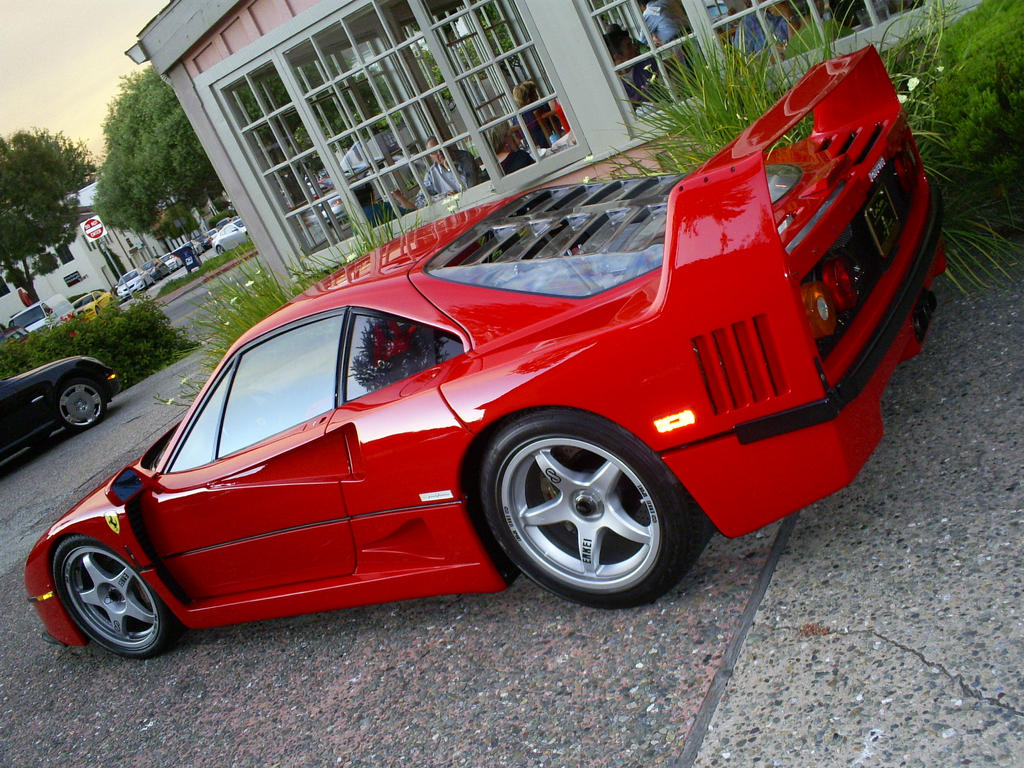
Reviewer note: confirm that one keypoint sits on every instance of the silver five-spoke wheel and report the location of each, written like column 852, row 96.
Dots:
column 587, row 510
column 108, row 599
column 581, row 513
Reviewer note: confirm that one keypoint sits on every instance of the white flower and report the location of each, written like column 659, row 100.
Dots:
column 912, row 83
column 942, row 69
column 250, row 283
column 588, row 159
column 902, row 98
column 586, row 179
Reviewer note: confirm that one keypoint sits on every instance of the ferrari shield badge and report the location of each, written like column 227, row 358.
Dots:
column 113, row 522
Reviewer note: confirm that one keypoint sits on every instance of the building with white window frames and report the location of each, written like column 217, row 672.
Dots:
column 319, row 112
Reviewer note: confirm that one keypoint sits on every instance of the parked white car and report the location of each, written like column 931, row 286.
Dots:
column 51, row 311
column 132, row 282
column 172, row 261
column 228, row 236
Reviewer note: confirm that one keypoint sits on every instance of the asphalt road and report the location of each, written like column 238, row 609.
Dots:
column 522, row 678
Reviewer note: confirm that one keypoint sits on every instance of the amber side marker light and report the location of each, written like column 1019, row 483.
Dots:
column 675, row 421
column 821, row 310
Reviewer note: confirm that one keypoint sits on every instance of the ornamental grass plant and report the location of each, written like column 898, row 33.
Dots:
column 708, row 101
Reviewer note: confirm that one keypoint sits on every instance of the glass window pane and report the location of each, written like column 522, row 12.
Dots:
column 269, row 88
column 293, row 133
column 385, row 350
column 306, row 65
column 329, row 113
column 336, row 52
column 242, row 103
column 201, row 442
column 285, row 381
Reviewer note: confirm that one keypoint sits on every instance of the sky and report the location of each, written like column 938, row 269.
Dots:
column 61, row 62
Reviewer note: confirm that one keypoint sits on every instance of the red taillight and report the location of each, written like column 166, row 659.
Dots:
column 906, row 165
column 840, row 283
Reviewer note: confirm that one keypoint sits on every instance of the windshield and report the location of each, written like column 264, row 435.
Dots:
column 128, row 277
column 87, row 299
column 28, row 316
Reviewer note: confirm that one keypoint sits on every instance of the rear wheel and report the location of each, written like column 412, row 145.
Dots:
column 588, row 511
column 109, row 601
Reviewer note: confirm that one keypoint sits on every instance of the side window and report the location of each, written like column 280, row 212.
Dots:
column 284, row 381
column 383, row 350
column 201, row 440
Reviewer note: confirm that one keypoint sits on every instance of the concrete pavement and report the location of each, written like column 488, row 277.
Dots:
column 892, row 632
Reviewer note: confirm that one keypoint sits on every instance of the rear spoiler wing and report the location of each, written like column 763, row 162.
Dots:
column 851, row 88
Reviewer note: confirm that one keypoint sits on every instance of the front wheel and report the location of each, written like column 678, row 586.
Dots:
column 108, row 599
column 589, row 511
column 80, row 404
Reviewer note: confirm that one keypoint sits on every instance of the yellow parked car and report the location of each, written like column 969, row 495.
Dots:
column 87, row 306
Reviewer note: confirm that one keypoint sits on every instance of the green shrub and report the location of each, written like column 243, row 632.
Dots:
column 136, row 342
column 983, row 101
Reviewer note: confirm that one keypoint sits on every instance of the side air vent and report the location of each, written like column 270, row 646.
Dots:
column 739, row 364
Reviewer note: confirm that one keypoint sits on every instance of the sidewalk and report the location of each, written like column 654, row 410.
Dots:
column 203, row 279
column 892, row 631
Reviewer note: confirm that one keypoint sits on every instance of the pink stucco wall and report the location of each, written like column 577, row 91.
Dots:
column 245, row 24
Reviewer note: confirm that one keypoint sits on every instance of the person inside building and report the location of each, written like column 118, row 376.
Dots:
column 751, row 37
column 441, row 179
column 542, row 131
column 507, row 149
column 637, row 79
column 664, row 19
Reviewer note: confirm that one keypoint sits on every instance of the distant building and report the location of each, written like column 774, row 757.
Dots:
column 315, row 111
column 84, row 265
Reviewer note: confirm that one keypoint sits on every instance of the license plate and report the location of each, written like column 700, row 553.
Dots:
column 883, row 223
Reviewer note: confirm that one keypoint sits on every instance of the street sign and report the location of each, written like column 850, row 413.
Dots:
column 93, row 228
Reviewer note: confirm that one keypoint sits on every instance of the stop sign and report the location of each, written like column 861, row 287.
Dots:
column 93, row 228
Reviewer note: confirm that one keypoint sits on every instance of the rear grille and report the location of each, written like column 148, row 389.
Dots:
column 739, row 364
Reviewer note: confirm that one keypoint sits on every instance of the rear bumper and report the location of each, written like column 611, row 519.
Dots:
column 872, row 354
column 767, row 468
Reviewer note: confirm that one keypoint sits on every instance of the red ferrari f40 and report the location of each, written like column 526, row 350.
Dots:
column 581, row 383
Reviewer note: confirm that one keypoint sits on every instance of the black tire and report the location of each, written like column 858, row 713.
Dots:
column 588, row 511
column 110, row 602
column 81, row 403
column 220, row 249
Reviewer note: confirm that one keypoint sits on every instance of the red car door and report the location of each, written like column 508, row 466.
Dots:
column 269, row 516
column 251, row 497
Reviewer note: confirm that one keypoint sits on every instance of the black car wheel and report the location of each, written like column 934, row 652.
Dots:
column 588, row 511
column 109, row 601
column 80, row 404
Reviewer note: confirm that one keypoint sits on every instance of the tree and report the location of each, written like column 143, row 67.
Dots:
column 39, row 174
column 154, row 158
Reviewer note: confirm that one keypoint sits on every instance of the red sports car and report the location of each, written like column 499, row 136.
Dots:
column 581, row 383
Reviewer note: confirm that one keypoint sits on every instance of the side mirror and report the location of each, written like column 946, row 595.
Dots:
column 125, row 487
